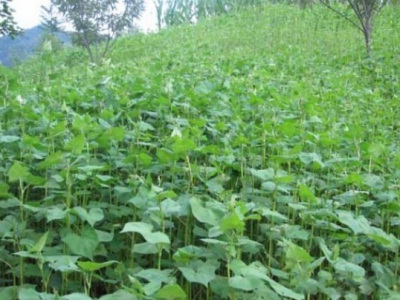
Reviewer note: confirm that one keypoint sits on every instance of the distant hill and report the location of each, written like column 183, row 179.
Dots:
column 24, row 45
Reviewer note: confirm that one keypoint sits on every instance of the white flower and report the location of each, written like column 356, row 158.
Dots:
column 176, row 132
column 21, row 100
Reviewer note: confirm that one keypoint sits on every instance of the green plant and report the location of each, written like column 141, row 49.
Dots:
column 214, row 166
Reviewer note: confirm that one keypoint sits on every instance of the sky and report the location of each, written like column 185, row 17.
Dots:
column 27, row 14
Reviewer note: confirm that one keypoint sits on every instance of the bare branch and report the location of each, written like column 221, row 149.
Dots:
column 324, row 2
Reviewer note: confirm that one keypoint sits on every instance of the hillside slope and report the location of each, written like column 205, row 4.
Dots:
column 252, row 156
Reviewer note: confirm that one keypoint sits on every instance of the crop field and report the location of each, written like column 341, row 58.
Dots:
column 250, row 156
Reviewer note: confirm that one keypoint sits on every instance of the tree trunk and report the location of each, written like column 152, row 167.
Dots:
column 367, row 30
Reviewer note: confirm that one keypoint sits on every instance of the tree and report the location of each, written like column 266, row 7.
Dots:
column 50, row 23
column 7, row 22
column 365, row 12
column 159, row 5
column 99, row 22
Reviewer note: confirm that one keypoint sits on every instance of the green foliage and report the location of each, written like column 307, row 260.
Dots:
column 7, row 23
column 97, row 22
column 176, row 12
column 50, row 23
column 234, row 159
column 364, row 14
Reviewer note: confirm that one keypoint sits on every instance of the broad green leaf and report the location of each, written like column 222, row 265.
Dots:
column 145, row 248
column 268, row 186
column 105, row 236
column 297, row 254
column 104, row 124
column 349, row 269
column 214, row 241
column 264, row 293
column 330, row 255
column 308, row 158
column 76, row 145
column 31, row 294
column 185, row 254
column 214, row 232
column 306, row 194
column 90, row 168
column 145, row 230
column 83, row 123
column 289, row 128
column 296, row 233
column 264, row 175
column 373, row 181
column 384, row 275
column 116, row 133
column 232, row 222
column 256, row 270
column 4, row 187
column 249, row 246
column 201, row 213
column 35, row 180
column 27, row 254
column 9, row 292
column 9, row 138
column 165, row 156
column 84, row 244
column 358, row 225
column 354, row 178
column 145, row 126
column 76, row 296
column 156, row 238
column 89, row 266
column 162, row 276
column 28, row 294
column 214, row 186
column 95, row 214
column 237, row 266
column 245, row 284
column 104, row 178
column 266, row 212
column 182, row 146
column 170, row 207
column 18, row 172
column 152, row 287
column 63, row 263
column 171, row 292
column 39, row 245
column 284, row 291
column 220, row 285
column 376, row 149
column 386, row 240
column 10, row 203
column 139, row 227
column 199, row 271
column 145, row 159
column 51, row 160
column 119, row 295
column 55, row 213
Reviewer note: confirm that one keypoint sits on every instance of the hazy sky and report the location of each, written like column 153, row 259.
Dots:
column 27, row 13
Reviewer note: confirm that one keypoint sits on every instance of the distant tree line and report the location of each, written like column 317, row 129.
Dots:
column 176, row 12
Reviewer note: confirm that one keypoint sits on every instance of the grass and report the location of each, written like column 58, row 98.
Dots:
column 252, row 156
